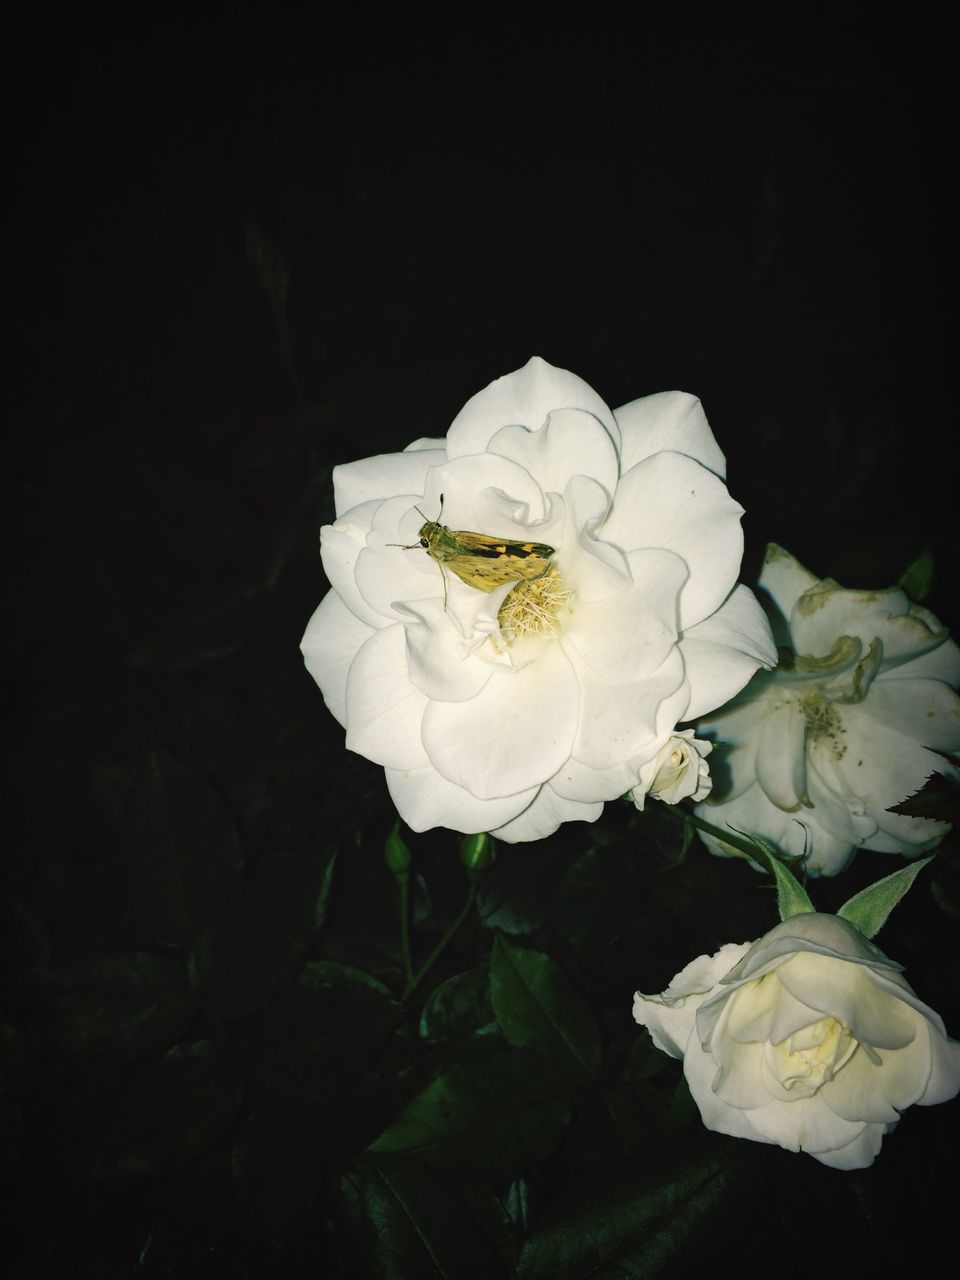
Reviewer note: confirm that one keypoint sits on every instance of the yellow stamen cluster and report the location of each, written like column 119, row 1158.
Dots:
column 535, row 608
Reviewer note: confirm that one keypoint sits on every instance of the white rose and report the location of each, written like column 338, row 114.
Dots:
column 810, row 1038
column 677, row 772
column 517, row 709
column 850, row 724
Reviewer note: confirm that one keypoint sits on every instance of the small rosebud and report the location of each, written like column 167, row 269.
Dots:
column 476, row 854
column 396, row 854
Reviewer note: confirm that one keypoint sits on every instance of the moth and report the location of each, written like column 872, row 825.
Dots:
column 479, row 560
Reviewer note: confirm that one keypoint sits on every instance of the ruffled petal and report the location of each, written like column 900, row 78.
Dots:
column 627, row 637
column 618, row 722
column 700, row 1069
column 340, row 547
column 939, row 663
column 826, row 611
column 569, row 443
column 329, row 646
column 439, row 662
column 384, row 710
column 487, row 494
column 383, row 476
column 669, row 420
column 671, row 501
column 671, row 1016
column 425, row 800
column 525, row 397
column 835, row 804
column 577, row 781
column 865, row 1089
column 884, row 767
column 544, row 815
column 858, row 1154
column 926, row 711
column 944, row 1081
column 843, row 990
column 784, row 579
column 781, row 765
column 514, row 734
column 723, row 651
column 806, row 1124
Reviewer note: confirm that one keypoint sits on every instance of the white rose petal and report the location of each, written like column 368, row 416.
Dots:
column 811, row 1038
column 516, row 709
column 860, row 713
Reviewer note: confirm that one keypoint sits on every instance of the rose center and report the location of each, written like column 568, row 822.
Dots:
column 810, row 1057
column 535, row 608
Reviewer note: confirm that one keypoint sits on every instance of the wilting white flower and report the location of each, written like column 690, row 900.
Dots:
column 677, row 772
column 517, row 708
column 847, row 727
column 811, row 1038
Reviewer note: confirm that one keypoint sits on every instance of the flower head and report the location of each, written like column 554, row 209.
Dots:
column 848, row 726
column 518, row 664
column 810, row 1038
column 677, row 772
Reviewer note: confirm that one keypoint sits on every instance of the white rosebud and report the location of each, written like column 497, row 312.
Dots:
column 678, row 771
column 850, row 724
column 810, row 1038
column 518, row 673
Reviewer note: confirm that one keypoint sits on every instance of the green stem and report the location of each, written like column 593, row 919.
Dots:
column 414, row 982
column 405, row 926
column 728, row 837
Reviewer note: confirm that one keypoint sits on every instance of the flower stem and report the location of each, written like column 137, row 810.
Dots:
column 688, row 819
column 405, row 927
column 414, row 982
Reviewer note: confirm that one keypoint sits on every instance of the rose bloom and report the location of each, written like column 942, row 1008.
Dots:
column 679, row 771
column 517, row 708
column 810, row 1038
column 848, row 726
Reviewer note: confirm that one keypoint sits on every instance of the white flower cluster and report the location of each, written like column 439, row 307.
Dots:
column 521, row 615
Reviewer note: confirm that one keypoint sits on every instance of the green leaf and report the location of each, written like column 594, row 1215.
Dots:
column 117, row 1006
column 511, row 896
column 459, row 1008
column 320, row 972
column 174, row 1112
column 596, row 900
column 279, row 1158
column 643, row 1217
column 917, row 578
column 408, row 1222
column 332, row 1044
column 868, row 910
column 257, row 945
column 490, row 1118
column 538, row 1007
column 938, row 799
column 792, row 898
column 170, row 1250
column 182, row 853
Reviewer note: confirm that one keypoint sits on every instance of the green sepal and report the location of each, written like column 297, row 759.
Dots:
column 476, row 854
column 917, row 578
column 868, row 910
column 792, row 898
column 396, row 854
